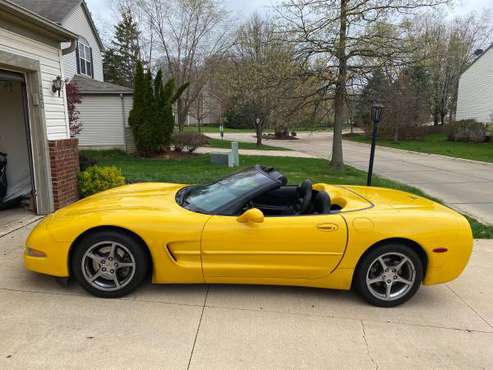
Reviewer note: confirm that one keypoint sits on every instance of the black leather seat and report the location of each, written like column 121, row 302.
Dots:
column 321, row 203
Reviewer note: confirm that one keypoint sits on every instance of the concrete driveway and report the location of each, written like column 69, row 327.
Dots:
column 43, row 325
column 462, row 184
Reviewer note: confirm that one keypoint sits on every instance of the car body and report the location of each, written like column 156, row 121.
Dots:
column 245, row 246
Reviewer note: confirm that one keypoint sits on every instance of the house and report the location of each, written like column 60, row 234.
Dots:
column 105, row 106
column 475, row 99
column 34, row 130
column 206, row 110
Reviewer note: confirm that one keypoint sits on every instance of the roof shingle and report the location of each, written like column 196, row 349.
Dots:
column 94, row 87
column 54, row 10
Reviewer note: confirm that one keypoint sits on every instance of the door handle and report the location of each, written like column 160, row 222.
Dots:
column 328, row 227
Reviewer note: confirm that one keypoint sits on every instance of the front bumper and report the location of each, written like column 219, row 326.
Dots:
column 50, row 257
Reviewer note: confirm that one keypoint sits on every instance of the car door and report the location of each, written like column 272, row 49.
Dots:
column 297, row 247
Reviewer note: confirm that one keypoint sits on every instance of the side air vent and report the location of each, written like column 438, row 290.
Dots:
column 171, row 253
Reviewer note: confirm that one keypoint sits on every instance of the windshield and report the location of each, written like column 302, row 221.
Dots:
column 210, row 198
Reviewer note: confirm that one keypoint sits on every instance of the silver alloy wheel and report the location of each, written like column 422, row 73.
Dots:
column 108, row 266
column 390, row 276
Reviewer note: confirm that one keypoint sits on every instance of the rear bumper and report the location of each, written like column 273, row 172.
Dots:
column 445, row 267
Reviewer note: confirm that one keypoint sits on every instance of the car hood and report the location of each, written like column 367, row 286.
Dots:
column 146, row 196
column 390, row 198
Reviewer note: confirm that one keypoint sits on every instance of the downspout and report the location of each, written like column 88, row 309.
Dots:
column 71, row 48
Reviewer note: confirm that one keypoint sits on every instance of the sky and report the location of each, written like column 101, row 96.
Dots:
column 105, row 15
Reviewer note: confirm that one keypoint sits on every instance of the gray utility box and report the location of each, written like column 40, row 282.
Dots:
column 231, row 159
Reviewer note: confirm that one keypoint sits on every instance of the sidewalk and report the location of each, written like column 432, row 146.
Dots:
column 267, row 153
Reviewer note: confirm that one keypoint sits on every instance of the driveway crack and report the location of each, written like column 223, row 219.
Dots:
column 468, row 305
column 198, row 328
column 367, row 346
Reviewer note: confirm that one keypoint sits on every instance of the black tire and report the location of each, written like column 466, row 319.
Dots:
column 116, row 281
column 375, row 291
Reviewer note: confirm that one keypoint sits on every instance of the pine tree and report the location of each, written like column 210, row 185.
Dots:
column 159, row 109
column 150, row 133
column 136, row 117
column 120, row 59
column 151, row 118
column 167, row 109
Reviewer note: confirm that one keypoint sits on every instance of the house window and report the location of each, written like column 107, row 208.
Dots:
column 84, row 58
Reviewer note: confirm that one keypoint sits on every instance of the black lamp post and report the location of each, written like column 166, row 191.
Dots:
column 376, row 117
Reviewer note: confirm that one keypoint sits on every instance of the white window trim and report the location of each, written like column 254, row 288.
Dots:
column 84, row 58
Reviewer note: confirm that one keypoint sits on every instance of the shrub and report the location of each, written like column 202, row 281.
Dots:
column 73, row 97
column 189, row 141
column 468, row 130
column 96, row 179
column 151, row 118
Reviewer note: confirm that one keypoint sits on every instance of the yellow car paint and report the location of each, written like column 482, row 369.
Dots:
column 312, row 250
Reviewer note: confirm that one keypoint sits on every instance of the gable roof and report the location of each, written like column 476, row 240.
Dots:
column 88, row 86
column 33, row 19
column 479, row 57
column 58, row 10
column 54, row 10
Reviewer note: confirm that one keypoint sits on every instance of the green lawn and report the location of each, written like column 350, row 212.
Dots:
column 198, row 169
column 226, row 144
column 437, row 144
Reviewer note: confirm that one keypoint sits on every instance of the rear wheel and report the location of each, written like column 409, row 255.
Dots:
column 109, row 264
column 389, row 275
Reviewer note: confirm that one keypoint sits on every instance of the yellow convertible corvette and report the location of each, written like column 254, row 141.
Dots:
column 251, row 228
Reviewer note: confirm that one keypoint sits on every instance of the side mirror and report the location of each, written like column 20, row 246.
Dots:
column 253, row 215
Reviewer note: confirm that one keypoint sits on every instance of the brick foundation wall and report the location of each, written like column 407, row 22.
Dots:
column 64, row 160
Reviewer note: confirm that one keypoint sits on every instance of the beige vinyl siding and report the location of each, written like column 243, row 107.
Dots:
column 50, row 59
column 103, row 121
column 77, row 23
column 476, row 90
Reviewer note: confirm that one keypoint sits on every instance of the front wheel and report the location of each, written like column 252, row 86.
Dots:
column 389, row 275
column 109, row 264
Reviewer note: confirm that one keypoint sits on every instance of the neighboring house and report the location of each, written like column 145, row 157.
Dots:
column 104, row 115
column 34, row 129
column 205, row 110
column 475, row 100
column 104, row 108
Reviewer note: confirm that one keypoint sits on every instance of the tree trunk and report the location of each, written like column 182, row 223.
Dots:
column 337, row 161
column 443, row 114
column 258, row 129
column 181, row 114
column 396, row 134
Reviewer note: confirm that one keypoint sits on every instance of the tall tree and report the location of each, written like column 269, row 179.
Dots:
column 446, row 48
column 188, row 33
column 347, row 37
column 121, row 57
column 136, row 116
column 258, row 80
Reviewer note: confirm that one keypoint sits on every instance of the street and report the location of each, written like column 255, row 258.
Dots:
column 464, row 185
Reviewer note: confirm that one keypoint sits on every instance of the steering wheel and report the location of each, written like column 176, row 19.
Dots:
column 304, row 197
